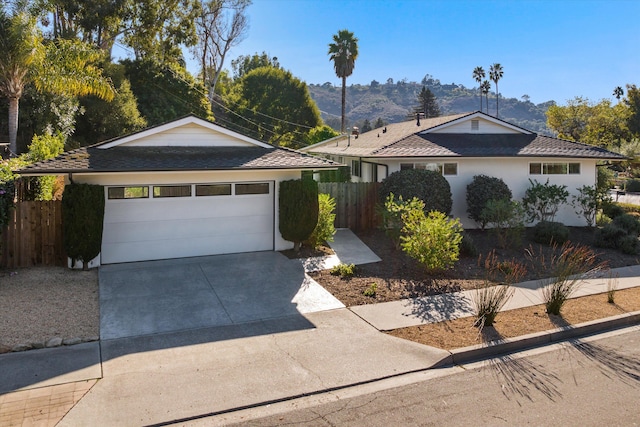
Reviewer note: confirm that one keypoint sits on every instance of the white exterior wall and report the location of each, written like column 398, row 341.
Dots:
column 515, row 173
column 159, row 178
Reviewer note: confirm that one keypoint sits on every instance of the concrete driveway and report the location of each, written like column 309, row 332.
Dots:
column 155, row 297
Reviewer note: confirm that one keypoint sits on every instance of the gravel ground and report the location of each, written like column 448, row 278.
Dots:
column 41, row 303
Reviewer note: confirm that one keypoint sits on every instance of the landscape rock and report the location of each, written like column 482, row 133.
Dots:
column 22, row 347
column 4, row 349
column 36, row 345
column 54, row 342
column 72, row 341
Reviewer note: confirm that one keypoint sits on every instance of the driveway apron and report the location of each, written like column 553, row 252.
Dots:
column 154, row 297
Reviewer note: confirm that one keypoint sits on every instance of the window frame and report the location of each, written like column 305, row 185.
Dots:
column 144, row 188
column 548, row 168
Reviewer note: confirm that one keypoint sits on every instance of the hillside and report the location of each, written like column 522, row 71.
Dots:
column 394, row 101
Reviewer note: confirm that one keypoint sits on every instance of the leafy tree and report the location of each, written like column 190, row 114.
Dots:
column 478, row 76
column 495, row 74
column 599, row 124
column 378, row 123
column 220, row 25
column 45, row 147
column 633, row 102
column 298, row 210
column 586, row 203
column 243, row 64
column 343, row 52
column 541, row 202
column 319, row 134
column 165, row 92
column 105, row 120
column 482, row 190
column 63, row 67
column 274, row 106
column 505, row 217
column 429, row 186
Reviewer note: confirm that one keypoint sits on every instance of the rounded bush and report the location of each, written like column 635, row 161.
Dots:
column 482, row 189
column 628, row 223
column 612, row 210
column 628, row 244
column 609, row 236
column 632, row 186
column 548, row 232
column 429, row 186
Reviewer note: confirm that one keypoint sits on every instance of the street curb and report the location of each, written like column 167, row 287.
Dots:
column 510, row 345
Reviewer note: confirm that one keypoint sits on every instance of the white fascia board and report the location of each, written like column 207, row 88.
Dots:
column 321, row 143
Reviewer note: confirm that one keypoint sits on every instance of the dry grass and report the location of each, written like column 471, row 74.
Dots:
column 461, row 332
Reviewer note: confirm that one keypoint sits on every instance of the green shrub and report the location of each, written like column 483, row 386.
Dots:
column 371, row 290
column 506, row 219
column 325, row 229
column 344, row 270
column 7, row 195
column 608, row 236
column 548, row 233
column 632, row 186
column 468, row 246
column 586, row 203
column 429, row 186
column 432, row 239
column 392, row 215
column 612, row 210
column 542, row 201
column 298, row 206
column 481, row 190
column 628, row 244
column 628, row 223
column 342, row 174
column 82, row 221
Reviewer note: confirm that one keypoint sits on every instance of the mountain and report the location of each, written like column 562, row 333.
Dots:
column 393, row 102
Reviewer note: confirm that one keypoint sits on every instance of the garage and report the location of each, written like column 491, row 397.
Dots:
column 171, row 221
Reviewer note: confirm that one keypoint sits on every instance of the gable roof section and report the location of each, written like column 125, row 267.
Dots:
column 491, row 145
column 375, row 139
column 157, row 159
column 476, row 115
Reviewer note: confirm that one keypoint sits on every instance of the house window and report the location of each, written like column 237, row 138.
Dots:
column 138, row 192
column 257, row 188
column 443, row 168
column 171, row 191
column 554, row 168
column 475, row 124
column 203, row 190
column 355, row 168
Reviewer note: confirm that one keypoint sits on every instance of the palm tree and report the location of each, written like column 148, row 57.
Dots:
column 343, row 52
column 618, row 92
column 478, row 75
column 62, row 67
column 495, row 74
column 485, row 87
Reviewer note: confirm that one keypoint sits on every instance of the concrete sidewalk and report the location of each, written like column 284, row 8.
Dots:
column 418, row 311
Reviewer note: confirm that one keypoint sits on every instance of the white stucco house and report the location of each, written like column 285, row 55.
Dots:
column 464, row 145
column 185, row 188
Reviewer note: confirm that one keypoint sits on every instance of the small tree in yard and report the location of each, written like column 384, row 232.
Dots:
column 506, row 219
column 325, row 229
column 82, row 220
column 298, row 207
column 481, row 191
column 392, row 215
column 432, row 239
column 542, row 201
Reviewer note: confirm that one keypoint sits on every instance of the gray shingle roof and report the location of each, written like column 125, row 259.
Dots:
column 172, row 158
column 490, row 145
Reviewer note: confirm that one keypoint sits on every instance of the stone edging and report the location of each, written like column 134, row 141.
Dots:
column 51, row 342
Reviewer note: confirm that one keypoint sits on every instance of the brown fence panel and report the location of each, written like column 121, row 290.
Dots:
column 355, row 203
column 33, row 236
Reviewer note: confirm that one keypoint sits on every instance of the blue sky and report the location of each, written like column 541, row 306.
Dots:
column 549, row 49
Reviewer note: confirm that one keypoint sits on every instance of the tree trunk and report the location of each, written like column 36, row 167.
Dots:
column 497, row 98
column 13, row 125
column 344, row 97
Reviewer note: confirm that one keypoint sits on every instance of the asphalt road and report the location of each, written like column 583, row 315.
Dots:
column 589, row 382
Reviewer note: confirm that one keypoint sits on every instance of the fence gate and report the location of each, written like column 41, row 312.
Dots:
column 356, row 203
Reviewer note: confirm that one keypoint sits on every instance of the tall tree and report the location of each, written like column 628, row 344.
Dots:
column 426, row 104
column 63, row 67
column 343, row 52
column 245, row 63
column 633, row 102
column 478, row 76
column 495, row 74
column 485, row 87
column 220, row 25
column 618, row 92
column 274, row 106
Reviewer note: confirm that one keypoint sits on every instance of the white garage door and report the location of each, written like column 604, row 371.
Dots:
column 176, row 221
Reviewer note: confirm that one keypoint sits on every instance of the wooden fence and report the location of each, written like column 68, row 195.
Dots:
column 33, row 236
column 355, row 203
